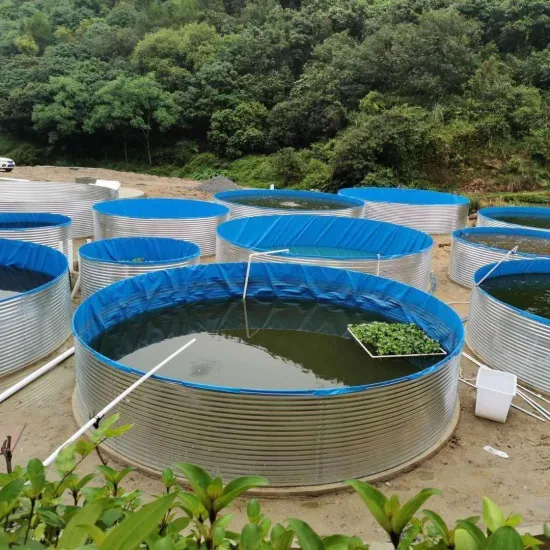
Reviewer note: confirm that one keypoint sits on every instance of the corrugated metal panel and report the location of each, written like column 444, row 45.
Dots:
column 95, row 275
column 411, row 269
column 292, row 440
column 505, row 339
column 468, row 257
column 486, row 221
column 434, row 219
column 201, row 231
column 242, row 211
column 50, row 235
column 70, row 199
column 34, row 324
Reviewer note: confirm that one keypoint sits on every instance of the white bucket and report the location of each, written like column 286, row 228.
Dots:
column 495, row 391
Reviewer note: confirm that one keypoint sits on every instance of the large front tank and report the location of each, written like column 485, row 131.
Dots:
column 299, row 425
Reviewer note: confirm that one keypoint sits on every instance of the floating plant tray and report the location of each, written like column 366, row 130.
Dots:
column 375, row 356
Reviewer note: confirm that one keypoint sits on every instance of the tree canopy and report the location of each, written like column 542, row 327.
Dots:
column 341, row 92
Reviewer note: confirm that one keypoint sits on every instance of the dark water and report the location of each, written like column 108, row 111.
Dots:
column 528, row 245
column 14, row 281
column 530, row 221
column 23, row 225
column 527, row 292
column 325, row 251
column 290, row 203
column 287, row 345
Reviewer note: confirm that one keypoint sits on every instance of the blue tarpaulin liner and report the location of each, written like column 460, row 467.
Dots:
column 509, row 231
column 402, row 196
column 31, row 220
column 158, row 290
column 355, row 238
column 517, row 267
column 286, row 194
column 146, row 250
column 161, row 208
column 34, row 257
column 496, row 212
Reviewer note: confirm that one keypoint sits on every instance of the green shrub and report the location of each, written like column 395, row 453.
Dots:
column 22, row 152
column 253, row 171
column 204, row 166
column 67, row 513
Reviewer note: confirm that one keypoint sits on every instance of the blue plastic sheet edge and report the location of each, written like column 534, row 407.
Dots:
column 404, row 196
column 37, row 257
column 161, row 208
column 228, row 196
column 180, row 285
column 260, row 233
column 41, row 217
column 536, row 211
column 458, row 234
column 167, row 250
column 517, row 267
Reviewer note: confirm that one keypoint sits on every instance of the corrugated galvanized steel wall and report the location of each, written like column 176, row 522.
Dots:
column 95, row 274
column 433, row 219
column 70, row 199
column 201, row 231
column 411, row 269
column 506, row 339
column 34, row 324
column 293, row 440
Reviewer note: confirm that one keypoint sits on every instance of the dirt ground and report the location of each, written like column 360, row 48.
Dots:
column 462, row 469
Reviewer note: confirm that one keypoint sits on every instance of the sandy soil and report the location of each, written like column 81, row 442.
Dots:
column 462, row 470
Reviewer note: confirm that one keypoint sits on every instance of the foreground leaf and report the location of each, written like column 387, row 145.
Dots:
column 505, row 538
column 493, row 516
column 409, row 509
column 307, row 537
column 375, row 502
column 236, row 488
column 73, row 536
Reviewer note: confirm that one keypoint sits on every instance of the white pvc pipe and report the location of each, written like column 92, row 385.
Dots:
column 115, row 402
column 76, row 287
column 513, row 251
column 36, row 374
column 250, row 261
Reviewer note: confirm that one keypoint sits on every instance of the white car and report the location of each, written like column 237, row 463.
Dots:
column 6, row 164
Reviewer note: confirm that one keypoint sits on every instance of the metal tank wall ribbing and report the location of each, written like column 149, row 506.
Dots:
column 40, row 228
column 468, row 256
column 185, row 219
column 508, row 338
column 305, row 437
column 105, row 262
column 34, row 323
column 405, row 254
column 433, row 212
column 488, row 217
column 74, row 200
column 351, row 208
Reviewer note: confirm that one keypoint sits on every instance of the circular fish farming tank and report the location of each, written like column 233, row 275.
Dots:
column 105, row 262
column 258, row 202
column 380, row 248
column 475, row 247
column 509, row 321
column 184, row 219
column 429, row 211
column 53, row 230
column 74, row 200
column 274, row 384
column 35, row 303
column 519, row 217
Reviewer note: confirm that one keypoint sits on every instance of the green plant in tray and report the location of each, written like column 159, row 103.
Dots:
column 395, row 338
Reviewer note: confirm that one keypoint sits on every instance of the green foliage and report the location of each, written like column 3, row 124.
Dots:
column 395, row 338
column 34, row 513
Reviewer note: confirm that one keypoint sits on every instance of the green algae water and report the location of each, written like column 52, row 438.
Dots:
column 528, row 292
column 14, row 280
column 541, row 222
column 290, row 203
column 525, row 244
column 328, row 252
column 274, row 345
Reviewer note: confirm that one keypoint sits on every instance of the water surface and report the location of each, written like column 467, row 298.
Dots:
column 290, row 203
column 329, row 251
column 260, row 344
column 540, row 222
column 529, row 292
column 14, row 280
column 528, row 245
